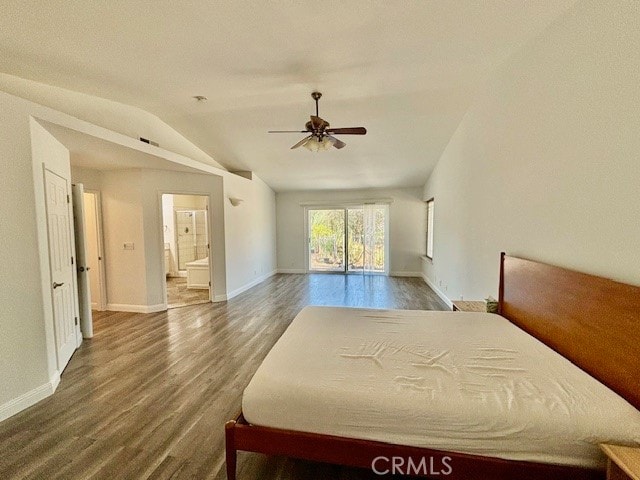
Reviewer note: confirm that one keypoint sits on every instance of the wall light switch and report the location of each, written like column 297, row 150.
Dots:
column 129, row 246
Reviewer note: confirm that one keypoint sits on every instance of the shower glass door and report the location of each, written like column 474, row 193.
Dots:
column 191, row 229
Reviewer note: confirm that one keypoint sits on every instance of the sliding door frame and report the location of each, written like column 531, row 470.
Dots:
column 345, row 207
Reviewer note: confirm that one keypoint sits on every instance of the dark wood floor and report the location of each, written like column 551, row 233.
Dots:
column 148, row 396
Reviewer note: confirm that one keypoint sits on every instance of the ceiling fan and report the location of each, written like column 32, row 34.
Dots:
column 321, row 135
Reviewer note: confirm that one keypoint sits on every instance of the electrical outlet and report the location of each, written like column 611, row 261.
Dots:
column 129, row 246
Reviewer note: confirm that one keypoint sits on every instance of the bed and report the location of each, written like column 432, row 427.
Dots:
column 491, row 396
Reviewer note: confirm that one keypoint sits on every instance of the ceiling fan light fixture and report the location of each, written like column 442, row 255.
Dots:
column 314, row 144
column 327, row 143
column 311, row 144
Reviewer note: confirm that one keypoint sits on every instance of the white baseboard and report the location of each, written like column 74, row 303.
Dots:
column 29, row 398
column 406, row 274
column 220, row 298
column 123, row 307
column 249, row 285
column 391, row 274
column 444, row 298
column 54, row 381
column 291, row 270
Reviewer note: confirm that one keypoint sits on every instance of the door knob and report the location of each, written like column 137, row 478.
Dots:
column 56, row 285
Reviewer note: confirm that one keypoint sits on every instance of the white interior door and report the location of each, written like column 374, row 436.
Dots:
column 61, row 267
column 82, row 266
column 93, row 248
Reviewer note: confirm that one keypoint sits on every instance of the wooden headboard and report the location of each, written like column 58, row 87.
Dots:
column 592, row 321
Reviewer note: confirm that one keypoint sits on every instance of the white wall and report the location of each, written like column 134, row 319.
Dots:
column 406, row 226
column 194, row 202
column 27, row 353
column 132, row 212
column 23, row 359
column 545, row 164
column 123, row 222
column 250, row 233
column 90, row 179
column 243, row 239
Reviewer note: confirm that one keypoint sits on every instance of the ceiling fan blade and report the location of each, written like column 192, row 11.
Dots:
column 347, row 131
column 287, row 131
column 318, row 123
column 336, row 143
column 301, row 142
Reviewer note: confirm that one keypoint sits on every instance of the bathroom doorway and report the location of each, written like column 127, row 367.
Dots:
column 185, row 220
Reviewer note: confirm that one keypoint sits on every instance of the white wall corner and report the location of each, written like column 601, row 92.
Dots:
column 405, row 274
column 249, row 285
column 220, row 298
column 444, row 298
column 54, row 381
column 29, row 398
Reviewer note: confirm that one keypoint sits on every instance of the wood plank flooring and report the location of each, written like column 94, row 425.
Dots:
column 178, row 295
column 148, row 396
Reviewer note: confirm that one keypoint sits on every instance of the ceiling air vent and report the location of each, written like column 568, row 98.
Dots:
column 150, row 142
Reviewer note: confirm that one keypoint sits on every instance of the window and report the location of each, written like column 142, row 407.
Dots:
column 430, row 229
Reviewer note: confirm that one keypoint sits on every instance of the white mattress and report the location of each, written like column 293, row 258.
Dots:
column 454, row 381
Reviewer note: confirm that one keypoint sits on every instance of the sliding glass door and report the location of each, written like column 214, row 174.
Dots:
column 326, row 240
column 367, row 239
column 347, row 239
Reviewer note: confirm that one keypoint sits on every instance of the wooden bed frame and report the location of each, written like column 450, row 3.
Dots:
column 592, row 321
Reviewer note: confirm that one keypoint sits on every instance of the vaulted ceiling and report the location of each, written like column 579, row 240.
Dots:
column 406, row 70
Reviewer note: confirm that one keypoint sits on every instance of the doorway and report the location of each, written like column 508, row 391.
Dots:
column 349, row 239
column 94, row 249
column 187, row 265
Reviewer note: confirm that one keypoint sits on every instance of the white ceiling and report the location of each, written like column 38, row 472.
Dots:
column 406, row 70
